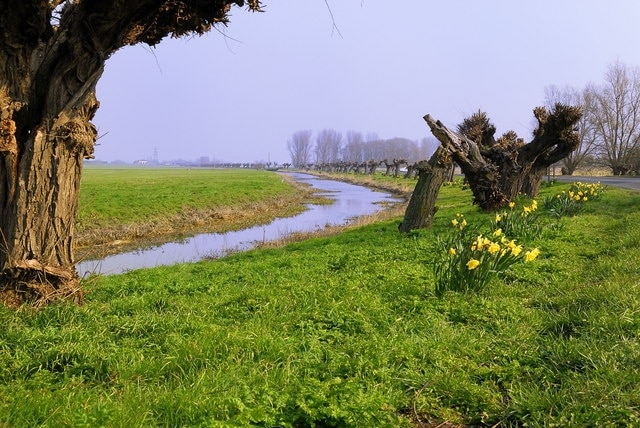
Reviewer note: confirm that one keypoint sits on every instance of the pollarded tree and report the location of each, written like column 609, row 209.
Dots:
column 52, row 53
column 497, row 170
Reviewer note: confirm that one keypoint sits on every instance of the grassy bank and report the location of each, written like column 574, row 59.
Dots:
column 346, row 331
column 131, row 206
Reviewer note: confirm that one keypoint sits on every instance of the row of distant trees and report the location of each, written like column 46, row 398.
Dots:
column 330, row 147
column 609, row 129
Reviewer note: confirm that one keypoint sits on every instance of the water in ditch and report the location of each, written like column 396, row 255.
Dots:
column 349, row 202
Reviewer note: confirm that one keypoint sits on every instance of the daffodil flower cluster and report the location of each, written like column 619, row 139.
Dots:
column 570, row 202
column 526, row 210
column 471, row 261
column 459, row 222
column 583, row 191
column 519, row 223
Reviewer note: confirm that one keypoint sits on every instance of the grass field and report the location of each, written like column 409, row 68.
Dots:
column 133, row 205
column 346, row 331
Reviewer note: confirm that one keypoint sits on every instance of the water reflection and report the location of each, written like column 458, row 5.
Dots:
column 350, row 201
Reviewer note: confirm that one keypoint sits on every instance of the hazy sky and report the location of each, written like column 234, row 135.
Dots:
column 239, row 93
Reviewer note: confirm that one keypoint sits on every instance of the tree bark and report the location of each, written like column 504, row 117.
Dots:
column 422, row 206
column 46, row 134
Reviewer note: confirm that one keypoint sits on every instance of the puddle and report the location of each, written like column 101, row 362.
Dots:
column 350, row 201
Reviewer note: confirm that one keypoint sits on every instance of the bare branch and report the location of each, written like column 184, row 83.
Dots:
column 333, row 20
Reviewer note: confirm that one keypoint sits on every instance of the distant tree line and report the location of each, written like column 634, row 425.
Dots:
column 609, row 129
column 330, row 151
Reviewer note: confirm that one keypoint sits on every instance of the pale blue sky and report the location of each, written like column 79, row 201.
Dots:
column 238, row 94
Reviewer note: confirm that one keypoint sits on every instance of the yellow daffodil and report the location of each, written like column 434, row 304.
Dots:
column 493, row 248
column 512, row 204
column 497, row 232
column 531, row 255
column 452, row 251
column 516, row 250
column 454, row 222
column 472, row 264
column 498, row 218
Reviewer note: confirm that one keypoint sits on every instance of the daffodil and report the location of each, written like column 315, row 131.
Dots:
column 454, row 222
column 472, row 264
column 497, row 232
column 493, row 248
column 512, row 204
column 498, row 218
column 516, row 250
column 531, row 255
column 452, row 251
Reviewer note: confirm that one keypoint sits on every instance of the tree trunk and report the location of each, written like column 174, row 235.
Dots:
column 397, row 164
column 46, row 103
column 422, row 206
column 389, row 166
column 39, row 202
column 532, row 181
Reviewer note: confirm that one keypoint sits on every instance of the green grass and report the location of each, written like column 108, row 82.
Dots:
column 131, row 195
column 346, row 331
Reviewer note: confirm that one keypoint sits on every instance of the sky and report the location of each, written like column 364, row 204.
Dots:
column 240, row 92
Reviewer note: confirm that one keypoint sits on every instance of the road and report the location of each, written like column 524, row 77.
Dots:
column 623, row 182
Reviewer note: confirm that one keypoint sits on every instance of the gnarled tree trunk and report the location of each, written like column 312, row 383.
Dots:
column 422, row 206
column 498, row 170
column 47, row 98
